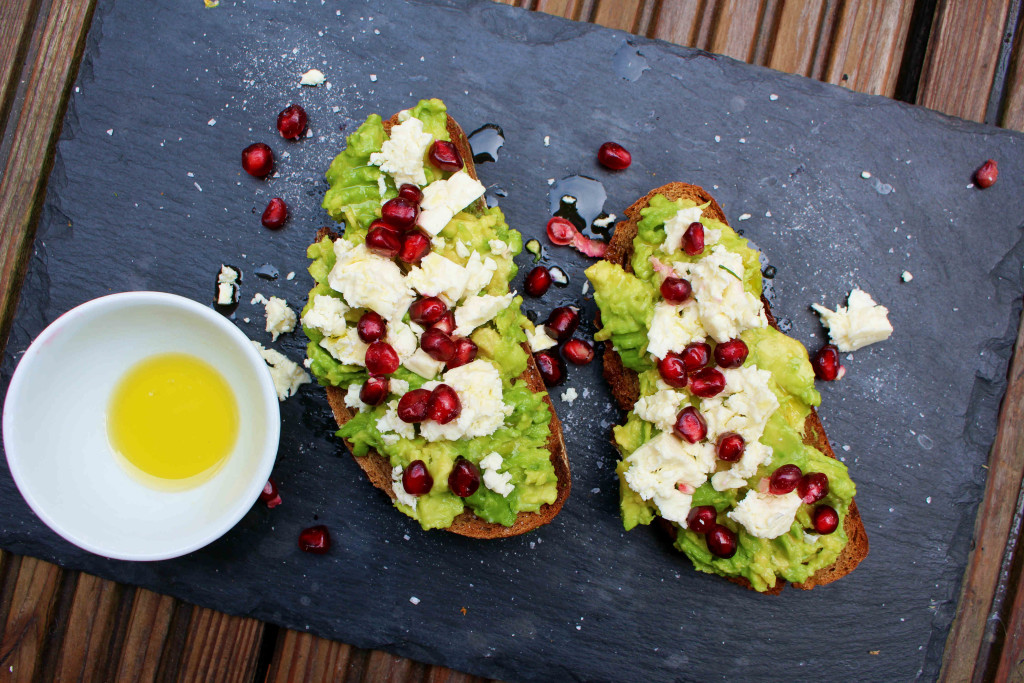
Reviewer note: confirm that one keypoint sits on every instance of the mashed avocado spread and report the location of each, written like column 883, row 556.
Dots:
column 470, row 266
column 767, row 401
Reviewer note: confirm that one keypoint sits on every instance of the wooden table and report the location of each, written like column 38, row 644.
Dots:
column 962, row 57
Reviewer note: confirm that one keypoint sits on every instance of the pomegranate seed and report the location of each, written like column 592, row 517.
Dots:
column 561, row 231
column 416, row 479
column 258, row 160
column 437, row 344
column 446, row 324
column 410, row 192
column 315, row 539
column 826, row 363
column 371, row 327
column 690, row 425
column 813, row 487
column 537, row 281
column 465, row 352
column 730, row 447
column 552, row 368
column 731, row 354
column 445, row 155
column 415, row 245
column 614, row 156
column 672, row 369
column 381, row 358
column 444, row 404
column 784, row 479
column 562, row 322
column 275, row 214
column 269, row 494
column 987, row 175
column 721, row 541
column 578, row 351
column 399, row 213
column 675, row 290
column 412, row 407
column 696, row 355
column 383, row 240
column 825, row 519
column 701, row 518
column 291, row 122
column 464, row 479
column 693, row 239
column 707, row 382
column 375, row 390
column 427, row 310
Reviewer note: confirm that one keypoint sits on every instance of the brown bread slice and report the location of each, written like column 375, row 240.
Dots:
column 625, row 386
column 378, row 468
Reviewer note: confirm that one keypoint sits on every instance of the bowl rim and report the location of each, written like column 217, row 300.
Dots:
column 93, row 307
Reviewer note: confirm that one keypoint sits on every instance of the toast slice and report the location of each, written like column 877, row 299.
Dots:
column 378, row 468
column 625, row 386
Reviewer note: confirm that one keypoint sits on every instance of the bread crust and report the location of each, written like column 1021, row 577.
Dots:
column 625, row 385
column 377, row 467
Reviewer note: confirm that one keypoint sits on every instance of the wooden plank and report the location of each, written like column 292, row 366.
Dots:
column 1009, row 665
column 621, row 14
column 735, row 28
column 679, row 22
column 17, row 17
column 569, row 9
column 304, row 658
column 148, row 627
column 220, row 648
column 868, row 44
column 1012, row 115
column 802, row 33
column 32, row 602
column 89, row 642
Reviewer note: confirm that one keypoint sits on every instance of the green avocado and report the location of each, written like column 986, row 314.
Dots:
column 626, row 301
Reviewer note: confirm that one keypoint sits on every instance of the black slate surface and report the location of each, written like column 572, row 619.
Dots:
column 147, row 193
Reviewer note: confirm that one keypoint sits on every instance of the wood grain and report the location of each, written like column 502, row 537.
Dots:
column 16, row 20
column 148, row 627
column 89, row 643
column 32, row 602
column 1012, row 115
column 220, row 648
column 867, row 47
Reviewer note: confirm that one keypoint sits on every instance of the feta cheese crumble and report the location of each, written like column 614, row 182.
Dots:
column 442, row 199
column 673, row 327
column 569, row 395
column 677, row 225
column 288, row 376
column 667, row 470
column 227, row 284
column 478, row 385
column 402, row 154
column 327, row 314
column 726, row 309
column 313, row 77
column 499, row 482
column 401, row 495
column 477, row 311
column 539, row 339
column 280, row 318
column 859, row 323
column 367, row 280
column 765, row 515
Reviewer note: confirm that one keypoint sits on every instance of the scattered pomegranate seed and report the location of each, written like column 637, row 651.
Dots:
column 722, row 541
column 701, row 518
column 690, row 425
column 673, row 370
column 562, row 322
column 707, row 382
column 731, row 354
column 446, row 324
column 375, row 390
column 416, row 479
column 730, row 447
column 399, row 213
column 826, row 363
column 696, row 355
column 614, row 156
column 813, row 487
column 538, row 281
column 315, row 539
column 270, row 495
column 552, row 368
column 383, row 240
column 445, row 155
column 444, row 404
column 465, row 352
column 578, row 351
column 693, row 239
column 427, row 310
column 291, row 122
column 675, row 290
column 437, row 344
column 258, row 160
column 381, row 358
column 825, row 519
column 412, row 407
column 410, row 192
column 275, row 214
column 784, row 479
column 415, row 245
column 371, row 327
column 987, row 175
column 464, row 479
column 560, row 230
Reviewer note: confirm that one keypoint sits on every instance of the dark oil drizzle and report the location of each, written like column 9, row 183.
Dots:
column 268, row 272
column 588, row 197
column 485, row 142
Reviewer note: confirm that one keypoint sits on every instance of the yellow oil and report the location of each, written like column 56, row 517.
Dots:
column 172, row 420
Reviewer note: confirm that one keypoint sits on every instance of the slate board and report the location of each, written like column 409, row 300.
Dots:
column 147, row 193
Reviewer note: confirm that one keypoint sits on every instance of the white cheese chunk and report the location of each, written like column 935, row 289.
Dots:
column 439, row 276
column 327, row 314
column 442, row 199
column 401, row 495
column 402, row 154
column 352, row 399
column 500, row 248
column 313, row 77
column 479, row 273
column 398, row 387
column 346, row 348
column 676, row 226
column 660, row 408
column 666, row 470
column 462, row 249
column 726, row 309
column 280, row 318
column 367, row 280
column 477, row 311
column 765, row 515
column 227, row 283
column 423, row 365
column 570, row 395
column 392, row 428
column 478, row 386
column 673, row 327
column 402, row 339
column 539, row 339
column 288, row 376
column 499, row 482
column 859, row 323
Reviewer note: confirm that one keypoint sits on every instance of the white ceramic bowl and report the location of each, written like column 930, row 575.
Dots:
column 55, row 436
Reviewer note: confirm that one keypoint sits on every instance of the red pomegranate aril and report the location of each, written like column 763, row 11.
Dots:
column 291, row 122
column 412, row 407
column 315, row 539
column 614, row 156
column 427, row 310
column 538, row 281
column 731, row 354
column 707, row 382
column 784, row 479
column 825, row 519
column 275, row 214
column 562, row 322
column 270, row 495
column 416, row 479
column 258, row 160
column 561, row 231
column 464, row 479
column 399, row 213
column 444, row 404
column 578, row 351
column 693, row 239
column 411, row 192
column 690, row 425
column 371, row 327
column 437, row 344
column 446, row 324
column 701, row 518
column 813, row 487
column 675, row 290
column 465, row 352
column 552, row 368
column 826, row 363
column 672, row 369
column 721, row 541
column 375, row 390
column 730, row 447
column 415, row 245
column 987, row 175
column 696, row 355
column 383, row 241
column 381, row 358
column 445, row 155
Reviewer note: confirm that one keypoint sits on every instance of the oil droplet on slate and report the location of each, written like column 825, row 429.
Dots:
column 580, row 200
column 485, row 142
column 628, row 62
column 493, row 194
column 227, row 310
column 267, row 272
